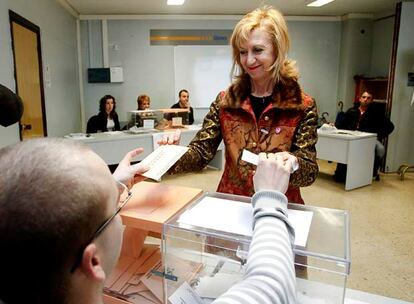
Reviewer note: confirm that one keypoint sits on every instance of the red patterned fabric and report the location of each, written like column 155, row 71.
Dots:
column 288, row 123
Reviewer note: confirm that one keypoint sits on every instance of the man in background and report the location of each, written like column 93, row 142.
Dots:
column 366, row 116
column 184, row 103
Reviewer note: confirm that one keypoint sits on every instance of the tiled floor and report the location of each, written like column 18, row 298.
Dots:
column 382, row 223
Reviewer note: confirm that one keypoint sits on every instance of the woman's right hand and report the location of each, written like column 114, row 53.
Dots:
column 170, row 138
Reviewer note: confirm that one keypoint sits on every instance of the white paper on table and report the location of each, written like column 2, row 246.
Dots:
column 162, row 159
column 237, row 217
column 177, row 121
column 114, row 132
column 350, row 132
column 148, row 124
column 78, row 136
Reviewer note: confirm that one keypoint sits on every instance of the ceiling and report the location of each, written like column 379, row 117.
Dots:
column 227, row 7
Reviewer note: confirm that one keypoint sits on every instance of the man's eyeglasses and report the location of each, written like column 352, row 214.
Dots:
column 103, row 225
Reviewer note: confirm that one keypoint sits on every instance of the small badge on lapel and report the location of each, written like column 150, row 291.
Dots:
column 278, row 130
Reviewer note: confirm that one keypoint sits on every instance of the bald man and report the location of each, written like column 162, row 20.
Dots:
column 60, row 234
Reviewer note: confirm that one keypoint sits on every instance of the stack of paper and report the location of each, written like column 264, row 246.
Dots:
column 125, row 282
column 141, row 280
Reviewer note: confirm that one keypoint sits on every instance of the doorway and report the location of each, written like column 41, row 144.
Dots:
column 28, row 75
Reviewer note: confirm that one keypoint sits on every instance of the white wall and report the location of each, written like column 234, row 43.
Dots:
column 381, row 47
column 355, row 56
column 401, row 141
column 316, row 47
column 150, row 69
column 58, row 39
column 147, row 69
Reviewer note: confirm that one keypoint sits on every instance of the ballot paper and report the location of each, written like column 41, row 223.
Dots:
column 237, row 217
column 125, row 281
column 185, row 295
column 162, row 159
column 253, row 159
column 213, row 287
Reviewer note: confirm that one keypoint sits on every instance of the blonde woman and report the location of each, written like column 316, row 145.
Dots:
column 143, row 102
column 263, row 110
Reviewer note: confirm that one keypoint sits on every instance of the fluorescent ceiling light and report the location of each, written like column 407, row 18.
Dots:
column 319, row 3
column 175, row 2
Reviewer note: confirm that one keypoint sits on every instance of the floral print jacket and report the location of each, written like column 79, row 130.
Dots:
column 288, row 123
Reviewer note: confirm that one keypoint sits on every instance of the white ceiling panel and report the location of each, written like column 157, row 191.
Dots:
column 227, row 7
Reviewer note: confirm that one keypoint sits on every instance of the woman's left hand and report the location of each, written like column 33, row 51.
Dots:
column 170, row 138
column 130, row 174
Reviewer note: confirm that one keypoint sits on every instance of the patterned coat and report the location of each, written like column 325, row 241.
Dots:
column 288, row 123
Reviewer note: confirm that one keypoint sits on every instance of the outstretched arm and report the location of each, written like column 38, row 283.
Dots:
column 304, row 147
column 270, row 273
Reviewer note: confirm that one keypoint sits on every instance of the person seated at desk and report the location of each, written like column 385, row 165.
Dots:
column 107, row 118
column 143, row 102
column 61, row 232
column 366, row 116
column 184, row 103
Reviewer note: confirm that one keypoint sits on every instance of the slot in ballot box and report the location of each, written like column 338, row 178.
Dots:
column 213, row 233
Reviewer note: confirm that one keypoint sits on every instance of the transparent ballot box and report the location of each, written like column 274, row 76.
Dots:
column 177, row 117
column 205, row 248
column 161, row 119
column 142, row 120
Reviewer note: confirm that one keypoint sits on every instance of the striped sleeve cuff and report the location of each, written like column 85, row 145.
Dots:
column 270, row 199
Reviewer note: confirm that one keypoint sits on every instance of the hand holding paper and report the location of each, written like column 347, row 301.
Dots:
column 253, row 159
column 272, row 173
column 130, row 174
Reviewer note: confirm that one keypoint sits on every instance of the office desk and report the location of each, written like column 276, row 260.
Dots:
column 357, row 150
column 112, row 146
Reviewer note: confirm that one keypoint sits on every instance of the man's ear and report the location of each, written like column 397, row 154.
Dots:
column 91, row 264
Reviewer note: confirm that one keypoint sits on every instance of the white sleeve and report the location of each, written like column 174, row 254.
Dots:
column 270, row 272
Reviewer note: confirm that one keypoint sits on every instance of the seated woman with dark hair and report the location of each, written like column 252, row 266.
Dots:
column 106, row 119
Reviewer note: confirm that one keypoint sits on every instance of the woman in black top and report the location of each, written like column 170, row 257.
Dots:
column 107, row 118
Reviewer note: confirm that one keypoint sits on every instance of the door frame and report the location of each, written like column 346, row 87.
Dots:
column 14, row 17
